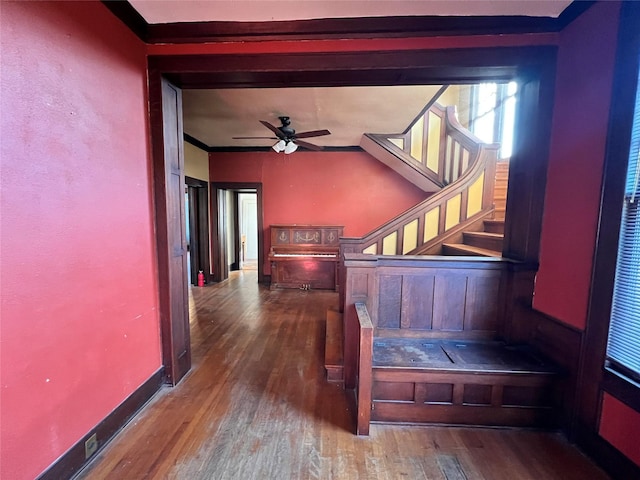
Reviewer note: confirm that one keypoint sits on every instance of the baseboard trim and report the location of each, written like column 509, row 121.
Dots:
column 73, row 460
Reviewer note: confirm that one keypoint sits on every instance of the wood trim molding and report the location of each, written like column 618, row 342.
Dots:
column 130, row 17
column 342, row 28
column 621, row 388
column 196, row 143
column 202, row 219
column 426, row 108
column 72, row 461
column 364, row 68
column 215, row 240
column 195, row 182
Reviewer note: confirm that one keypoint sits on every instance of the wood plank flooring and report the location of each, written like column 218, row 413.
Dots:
column 256, row 406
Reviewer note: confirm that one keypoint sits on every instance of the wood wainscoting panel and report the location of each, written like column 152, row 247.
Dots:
column 417, row 302
column 560, row 343
column 481, row 302
column 413, row 295
column 390, row 301
column 450, row 293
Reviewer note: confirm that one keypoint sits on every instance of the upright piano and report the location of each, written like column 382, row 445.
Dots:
column 305, row 256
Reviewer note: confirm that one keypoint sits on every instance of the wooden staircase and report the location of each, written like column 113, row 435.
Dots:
column 464, row 218
column 490, row 240
column 500, row 189
column 487, row 243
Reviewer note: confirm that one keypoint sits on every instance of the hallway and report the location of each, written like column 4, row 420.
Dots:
column 256, row 406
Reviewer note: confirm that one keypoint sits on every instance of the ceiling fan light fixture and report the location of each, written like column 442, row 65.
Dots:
column 290, row 147
column 280, row 146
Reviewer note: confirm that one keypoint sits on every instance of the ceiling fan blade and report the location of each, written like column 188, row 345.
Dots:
column 307, row 145
column 275, row 130
column 254, row 138
column 313, row 133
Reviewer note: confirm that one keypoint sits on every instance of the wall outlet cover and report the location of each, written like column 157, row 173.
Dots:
column 90, row 446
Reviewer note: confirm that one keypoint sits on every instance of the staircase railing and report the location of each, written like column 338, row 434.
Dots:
column 429, row 148
column 467, row 167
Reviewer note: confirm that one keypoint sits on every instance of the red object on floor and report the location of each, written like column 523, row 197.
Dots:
column 200, row 279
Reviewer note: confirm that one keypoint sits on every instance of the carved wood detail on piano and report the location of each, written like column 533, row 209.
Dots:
column 305, row 256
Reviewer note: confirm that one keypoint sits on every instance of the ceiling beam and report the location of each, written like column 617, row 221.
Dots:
column 421, row 67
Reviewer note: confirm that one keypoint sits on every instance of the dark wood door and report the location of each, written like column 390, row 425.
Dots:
column 168, row 157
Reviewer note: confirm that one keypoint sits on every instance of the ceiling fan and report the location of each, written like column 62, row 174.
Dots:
column 288, row 139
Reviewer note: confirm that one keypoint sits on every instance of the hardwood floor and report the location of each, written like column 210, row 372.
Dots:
column 256, row 406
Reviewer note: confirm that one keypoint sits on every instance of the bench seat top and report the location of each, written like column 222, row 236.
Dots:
column 451, row 355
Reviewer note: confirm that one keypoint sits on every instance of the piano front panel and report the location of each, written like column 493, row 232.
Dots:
column 301, row 271
column 305, row 256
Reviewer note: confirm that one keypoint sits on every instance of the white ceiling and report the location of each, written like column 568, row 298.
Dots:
column 215, row 116
column 168, row 11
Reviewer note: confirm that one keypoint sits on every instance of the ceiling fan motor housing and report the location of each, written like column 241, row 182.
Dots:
column 285, row 128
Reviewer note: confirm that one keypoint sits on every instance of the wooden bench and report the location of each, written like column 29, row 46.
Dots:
column 441, row 369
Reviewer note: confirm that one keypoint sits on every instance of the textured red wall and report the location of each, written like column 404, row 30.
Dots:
column 331, row 188
column 620, row 426
column 79, row 299
column 580, row 123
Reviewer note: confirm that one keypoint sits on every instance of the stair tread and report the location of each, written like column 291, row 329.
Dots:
column 485, row 234
column 460, row 247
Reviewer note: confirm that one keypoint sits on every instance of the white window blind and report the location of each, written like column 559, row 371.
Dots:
column 623, row 346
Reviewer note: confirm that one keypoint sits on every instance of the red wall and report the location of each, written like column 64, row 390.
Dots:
column 620, row 426
column 79, row 323
column 331, row 188
column 79, row 300
column 580, row 123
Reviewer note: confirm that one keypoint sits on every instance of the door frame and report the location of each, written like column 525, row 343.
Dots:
column 532, row 65
column 239, row 259
column 218, row 219
column 199, row 228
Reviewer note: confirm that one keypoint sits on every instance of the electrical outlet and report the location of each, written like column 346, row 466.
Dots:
column 90, row 446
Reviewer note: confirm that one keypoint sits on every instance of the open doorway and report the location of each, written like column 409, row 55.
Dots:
column 533, row 65
column 238, row 233
column 248, row 230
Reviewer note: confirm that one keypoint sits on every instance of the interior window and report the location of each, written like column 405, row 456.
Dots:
column 623, row 346
column 494, row 114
